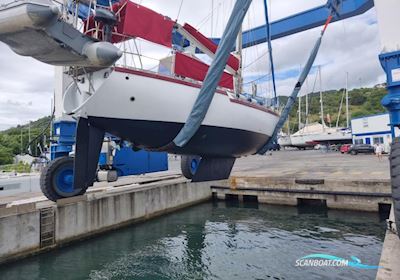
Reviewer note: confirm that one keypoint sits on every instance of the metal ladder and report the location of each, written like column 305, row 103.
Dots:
column 47, row 227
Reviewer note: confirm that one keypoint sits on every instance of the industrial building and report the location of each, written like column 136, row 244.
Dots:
column 373, row 129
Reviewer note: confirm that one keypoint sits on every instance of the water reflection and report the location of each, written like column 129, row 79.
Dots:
column 217, row 241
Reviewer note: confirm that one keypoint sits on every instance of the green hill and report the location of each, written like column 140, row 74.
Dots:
column 13, row 141
column 363, row 101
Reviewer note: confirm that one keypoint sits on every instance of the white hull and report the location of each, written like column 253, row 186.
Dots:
column 302, row 140
column 310, row 140
column 285, row 141
column 138, row 96
column 335, row 136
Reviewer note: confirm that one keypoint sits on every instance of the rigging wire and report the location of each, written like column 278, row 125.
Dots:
column 260, row 68
column 256, row 80
column 179, row 10
column 296, row 90
column 268, row 30
column 246, row 54
column 310, row 96
column 43, row 132
column 256, row 60
column 207, row 18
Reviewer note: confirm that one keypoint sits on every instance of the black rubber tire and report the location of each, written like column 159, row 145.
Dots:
column 395, row 179
column 46, row 179
column 186, row 166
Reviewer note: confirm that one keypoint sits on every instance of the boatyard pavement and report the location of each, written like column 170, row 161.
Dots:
column 309, row 164
column 314, row 164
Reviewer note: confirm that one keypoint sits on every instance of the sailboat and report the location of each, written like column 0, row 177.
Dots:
column 147, row 108
column 284, row 140
column 319, row 133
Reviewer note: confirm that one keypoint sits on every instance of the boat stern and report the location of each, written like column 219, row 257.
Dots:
column 82, row 90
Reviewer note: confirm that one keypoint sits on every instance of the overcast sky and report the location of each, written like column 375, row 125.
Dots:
column 352, row 46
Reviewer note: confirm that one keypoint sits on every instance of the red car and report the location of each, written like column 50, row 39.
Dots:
column 344, row 149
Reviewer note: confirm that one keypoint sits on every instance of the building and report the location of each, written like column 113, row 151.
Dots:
column 372, row 130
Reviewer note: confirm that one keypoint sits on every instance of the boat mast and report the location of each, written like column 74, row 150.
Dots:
column 320, row 97
column 306, row 109
column 347, row 101
column 212, row 18
column 340, row 109
column 254, row 89
column 300, row 112
column 21, row 142
column 239, row 54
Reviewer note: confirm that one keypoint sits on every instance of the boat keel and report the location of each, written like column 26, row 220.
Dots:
column 89, row 140
column 213, row 169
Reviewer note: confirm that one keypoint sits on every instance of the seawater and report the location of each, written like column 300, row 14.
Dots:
column 220, row 240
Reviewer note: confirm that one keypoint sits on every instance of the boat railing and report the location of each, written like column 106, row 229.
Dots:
column 124, row 63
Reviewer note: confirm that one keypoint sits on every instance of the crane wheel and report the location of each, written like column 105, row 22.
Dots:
column 57, row 179
column 189, row 165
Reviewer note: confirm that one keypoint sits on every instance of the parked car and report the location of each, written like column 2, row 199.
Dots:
column 334, row 148
column 361, row 148
column 344, row 149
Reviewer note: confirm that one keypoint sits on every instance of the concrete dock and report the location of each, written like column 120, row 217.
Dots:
column 366, row 195
column 390, row 258
column 313, row 164
column 30, row 224
column 348, row 182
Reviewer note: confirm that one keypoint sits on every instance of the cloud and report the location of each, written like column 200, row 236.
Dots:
column 26, row 88
column 26, row 85
column 350, row 46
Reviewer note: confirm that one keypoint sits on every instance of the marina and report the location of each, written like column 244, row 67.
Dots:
column 184, row 141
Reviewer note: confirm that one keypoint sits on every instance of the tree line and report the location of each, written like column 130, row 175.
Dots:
column 15, row 140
